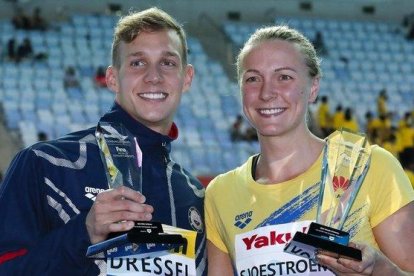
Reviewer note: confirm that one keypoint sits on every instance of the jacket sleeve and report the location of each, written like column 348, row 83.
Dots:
column 31, row 243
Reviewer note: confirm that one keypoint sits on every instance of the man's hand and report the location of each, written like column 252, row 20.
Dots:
column 116, row 210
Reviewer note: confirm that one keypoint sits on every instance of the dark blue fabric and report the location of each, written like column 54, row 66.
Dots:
column 50, row 187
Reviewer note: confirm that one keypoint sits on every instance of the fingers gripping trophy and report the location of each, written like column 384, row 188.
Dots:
column 346, row 160
column 122, row 160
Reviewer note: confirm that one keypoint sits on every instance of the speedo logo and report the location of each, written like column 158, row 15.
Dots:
column 243, row 219
column 273, row 238
column 91, row 192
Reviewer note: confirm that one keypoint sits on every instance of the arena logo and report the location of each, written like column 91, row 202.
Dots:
column 243, row 219
column 91, row 192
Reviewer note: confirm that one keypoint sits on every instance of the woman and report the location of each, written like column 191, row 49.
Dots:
column 253, row 211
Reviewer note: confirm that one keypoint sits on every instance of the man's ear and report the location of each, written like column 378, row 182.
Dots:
column 188, row 77
column 111, row 79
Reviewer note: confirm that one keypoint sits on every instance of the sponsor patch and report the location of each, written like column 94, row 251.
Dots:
column 195, row 220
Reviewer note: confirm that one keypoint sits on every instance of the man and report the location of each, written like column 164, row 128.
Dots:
column 55, row 200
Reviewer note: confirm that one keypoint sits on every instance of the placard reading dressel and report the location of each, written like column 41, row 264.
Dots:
column 346, row 157
column 122, row 160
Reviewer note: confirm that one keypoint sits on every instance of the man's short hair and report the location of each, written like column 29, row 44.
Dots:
column 149, row 20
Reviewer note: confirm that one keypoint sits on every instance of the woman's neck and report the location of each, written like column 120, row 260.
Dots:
column 280, row 161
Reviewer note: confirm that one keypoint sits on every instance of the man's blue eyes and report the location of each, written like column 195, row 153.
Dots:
column 163, row 63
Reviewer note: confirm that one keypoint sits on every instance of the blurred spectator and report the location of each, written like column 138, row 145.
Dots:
column 406, row 133
column 11, row 49
column 38, row 22
column 392, row 144
column 338, row 117
column 24, row 50
column 70, row 80
column 372, row 125
column 324, row 117
column 408, row 24
column 72, row 83
column 349, row 121
column 20, row 20
column 251, row 134
column 42, row 136
column 382, row 103
column 319, row 44
column 100, row 77
column 384, row 128
column 236, row 130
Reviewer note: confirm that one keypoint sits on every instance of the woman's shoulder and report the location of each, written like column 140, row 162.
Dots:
column 228, row 180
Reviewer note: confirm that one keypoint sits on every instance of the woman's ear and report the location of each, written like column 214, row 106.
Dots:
column 314, row 90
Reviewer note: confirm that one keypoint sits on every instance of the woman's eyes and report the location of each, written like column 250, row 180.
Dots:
column 252, row 79
column 285, row 77
column 256, row 78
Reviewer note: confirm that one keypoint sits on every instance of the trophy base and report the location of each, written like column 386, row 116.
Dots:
column 305, row 245
column 147, row 232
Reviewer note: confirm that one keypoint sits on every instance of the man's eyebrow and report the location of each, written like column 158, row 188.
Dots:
column 164, row 53
column 171, row 54
column 136, row 54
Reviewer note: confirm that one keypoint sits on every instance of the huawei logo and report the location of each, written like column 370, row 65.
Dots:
column 340, row 184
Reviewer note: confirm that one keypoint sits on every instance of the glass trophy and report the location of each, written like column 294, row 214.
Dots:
column 122, row 160
column 345, row 163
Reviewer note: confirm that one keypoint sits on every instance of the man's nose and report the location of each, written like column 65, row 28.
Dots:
column 153, row 74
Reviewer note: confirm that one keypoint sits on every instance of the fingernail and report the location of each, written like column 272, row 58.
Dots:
column 142, row 199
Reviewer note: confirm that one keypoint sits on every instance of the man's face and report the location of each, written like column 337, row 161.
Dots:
column 151, row 78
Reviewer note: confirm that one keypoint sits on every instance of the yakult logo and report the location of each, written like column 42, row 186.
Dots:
column 274, row 238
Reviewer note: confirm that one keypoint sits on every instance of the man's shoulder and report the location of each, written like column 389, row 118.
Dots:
column 72, row 140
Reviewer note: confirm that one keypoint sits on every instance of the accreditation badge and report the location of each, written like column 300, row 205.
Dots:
column 147, row 259
column 260, row 252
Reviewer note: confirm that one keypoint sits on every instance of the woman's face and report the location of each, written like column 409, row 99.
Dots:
column 276, row 87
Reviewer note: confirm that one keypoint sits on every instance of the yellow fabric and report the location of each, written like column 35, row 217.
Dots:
column 235, row 197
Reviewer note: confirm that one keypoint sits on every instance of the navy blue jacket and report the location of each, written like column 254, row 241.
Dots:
column 50, row 187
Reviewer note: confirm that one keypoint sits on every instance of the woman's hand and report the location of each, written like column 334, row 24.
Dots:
column 373, row 263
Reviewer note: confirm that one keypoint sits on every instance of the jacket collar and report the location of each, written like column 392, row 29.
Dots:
column 145, row 135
